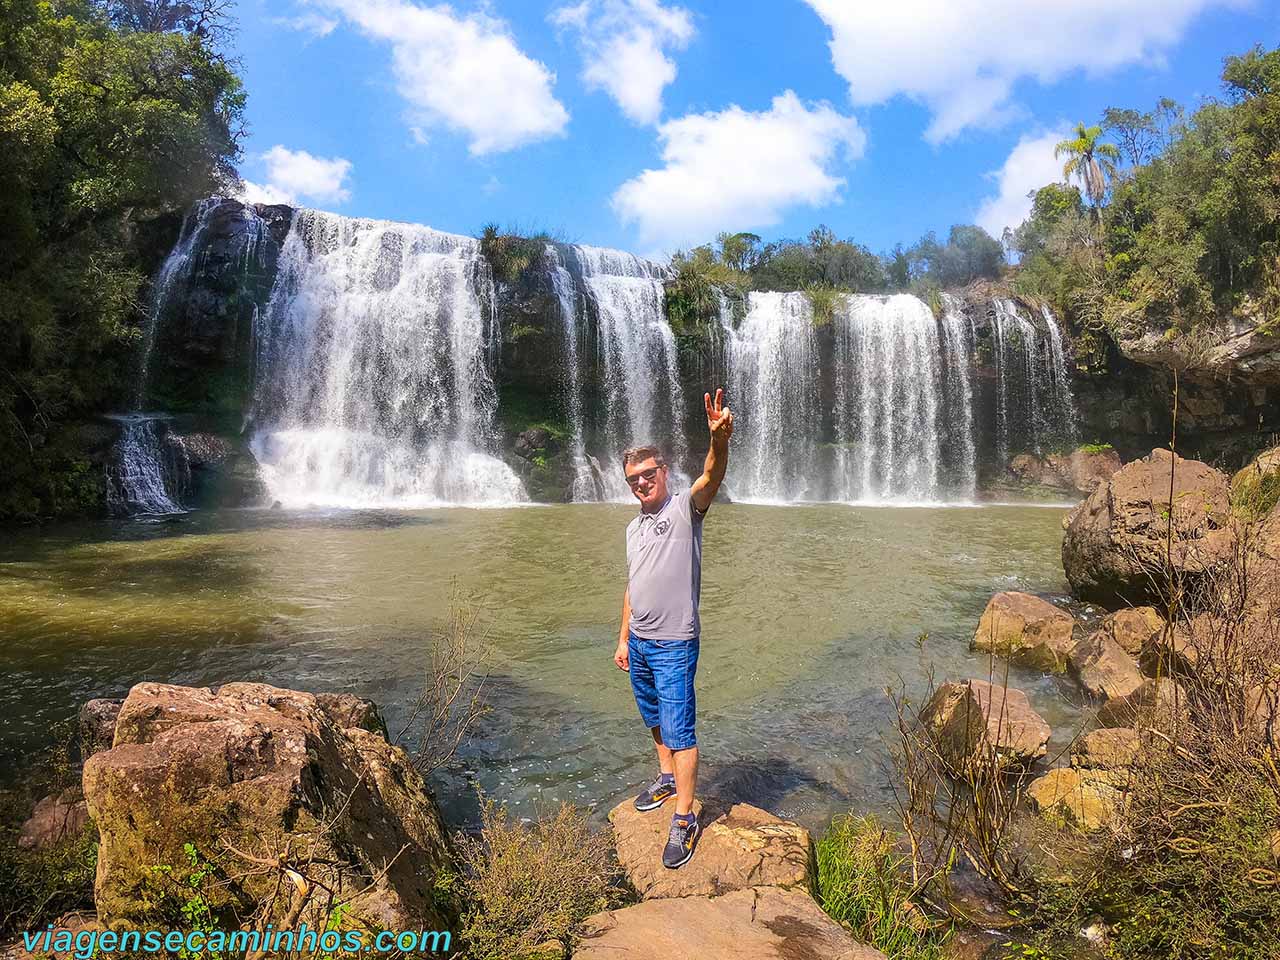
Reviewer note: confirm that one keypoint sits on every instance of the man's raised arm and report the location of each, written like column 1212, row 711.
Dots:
column 720, row 425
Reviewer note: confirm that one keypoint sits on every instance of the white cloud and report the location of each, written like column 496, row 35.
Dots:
column 624, row 44
column 315, row 24
column 294, row 176
column 736, row 169
column 962, row 58
column 1029, row 166
column 463, row 72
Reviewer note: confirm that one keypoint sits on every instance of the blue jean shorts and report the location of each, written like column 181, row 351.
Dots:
column 662, row 679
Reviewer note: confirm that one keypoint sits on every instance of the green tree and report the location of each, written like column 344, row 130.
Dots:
column 1089, row 158
column 104, row 133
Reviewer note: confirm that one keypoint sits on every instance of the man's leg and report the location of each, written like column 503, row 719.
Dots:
column 666, row 763
column 686, row 765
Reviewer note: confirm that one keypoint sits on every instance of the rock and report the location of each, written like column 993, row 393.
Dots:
column 261, row 769
column 1115, row 542
column 739, row 848
column 347, row 710
column 1132, row 628
column 972, row 715
column 55, row 818
column 1255, row 487
column 1107, row 748
column 62, row 939
column 763, row 923
column 1081, row 798
column 97, row 723
column 533, row 442
column 1027, row 629
column 1159, row 703
column 1091, row 466
column 1102, row 668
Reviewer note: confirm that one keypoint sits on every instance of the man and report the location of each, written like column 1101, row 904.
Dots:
column 658, row 642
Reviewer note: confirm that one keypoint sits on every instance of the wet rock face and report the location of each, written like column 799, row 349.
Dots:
column 972, row 716
column 1027, row 629
column 258, row 770
column 1114, row 549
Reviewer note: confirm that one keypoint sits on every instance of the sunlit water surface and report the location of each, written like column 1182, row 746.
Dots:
column 809, row 613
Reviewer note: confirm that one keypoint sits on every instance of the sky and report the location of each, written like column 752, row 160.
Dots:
column 653, row 125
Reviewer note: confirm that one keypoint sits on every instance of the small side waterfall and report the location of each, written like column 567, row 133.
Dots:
column 149, row 472
column 1035, row 410
column 374, row 385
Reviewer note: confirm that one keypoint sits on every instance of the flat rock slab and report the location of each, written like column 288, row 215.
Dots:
column 765, row 923
column 740, row 847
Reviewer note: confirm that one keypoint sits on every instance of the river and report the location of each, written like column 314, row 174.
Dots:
column 809, row 613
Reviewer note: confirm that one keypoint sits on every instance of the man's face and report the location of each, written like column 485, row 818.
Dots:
column 648, row 481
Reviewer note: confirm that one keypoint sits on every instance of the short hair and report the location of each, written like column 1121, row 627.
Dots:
column 642, row 453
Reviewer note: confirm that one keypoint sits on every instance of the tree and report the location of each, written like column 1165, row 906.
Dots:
column 1135, row 132
column 1090, row 159
column 739, row 251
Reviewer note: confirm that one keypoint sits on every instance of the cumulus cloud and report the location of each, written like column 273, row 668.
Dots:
column 962, row 58
column 624, row 45
column 463, row 72
column 295, row 176
column 736, row 169
column 1029, row 166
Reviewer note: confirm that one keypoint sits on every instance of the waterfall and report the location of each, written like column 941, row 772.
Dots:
column 1034, row 408
column 149, row 471
column 374, row 383
column 640, row 392
column 176, row 270
column 772, row 362
column 890, row 422
column 585, row 485
column 958, row 332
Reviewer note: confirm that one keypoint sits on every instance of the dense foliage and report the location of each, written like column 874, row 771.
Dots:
column 823, row 265
column 113, row 116
column 1186, row 223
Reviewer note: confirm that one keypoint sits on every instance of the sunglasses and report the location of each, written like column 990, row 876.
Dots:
column 646, row 475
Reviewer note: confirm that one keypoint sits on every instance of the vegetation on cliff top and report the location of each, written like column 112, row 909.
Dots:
column 113, row 115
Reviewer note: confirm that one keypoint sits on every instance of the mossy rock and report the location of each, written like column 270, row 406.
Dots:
column 1255, row 490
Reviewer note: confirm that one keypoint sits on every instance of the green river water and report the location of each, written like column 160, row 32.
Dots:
column 809, row 613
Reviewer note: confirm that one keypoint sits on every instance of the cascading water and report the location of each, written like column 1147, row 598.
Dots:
column 148, row 472
column 641, row 397
column 1035, row 410
column 771, row 357
column 374, row 384
column 958, row 333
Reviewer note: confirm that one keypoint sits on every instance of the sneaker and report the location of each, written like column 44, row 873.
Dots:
column 656, row 794
column 680, row 842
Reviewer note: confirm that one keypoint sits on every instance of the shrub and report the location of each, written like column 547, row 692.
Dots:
column 823, row 301
column 862, row 884
column 509, row 254
column 525, row 885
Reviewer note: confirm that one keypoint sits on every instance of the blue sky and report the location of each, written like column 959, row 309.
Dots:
column 652, row 125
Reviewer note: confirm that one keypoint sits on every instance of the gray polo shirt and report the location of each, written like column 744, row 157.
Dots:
column 664, row 570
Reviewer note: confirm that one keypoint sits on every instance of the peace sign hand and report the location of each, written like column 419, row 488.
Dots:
column 719, row 417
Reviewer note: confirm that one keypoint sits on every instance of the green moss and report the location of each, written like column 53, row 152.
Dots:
column 1095, row 447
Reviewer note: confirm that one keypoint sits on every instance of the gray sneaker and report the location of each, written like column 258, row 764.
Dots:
column 681, row 840
column 655, row 795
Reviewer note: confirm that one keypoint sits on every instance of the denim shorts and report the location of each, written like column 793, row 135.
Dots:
column 662, row 680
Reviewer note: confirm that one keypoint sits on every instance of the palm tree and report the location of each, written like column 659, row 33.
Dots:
column 1093, row 161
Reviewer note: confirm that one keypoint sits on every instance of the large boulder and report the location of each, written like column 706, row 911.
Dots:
column 740, row 847
column 1133, row 628
column 253, row 776
column 1107, row 748
column 55, row 818
column 1026, row 629
column 1114, row 550
column 968, row 718
column 762, row 923
column 1102, row 668
column 1087, row 799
